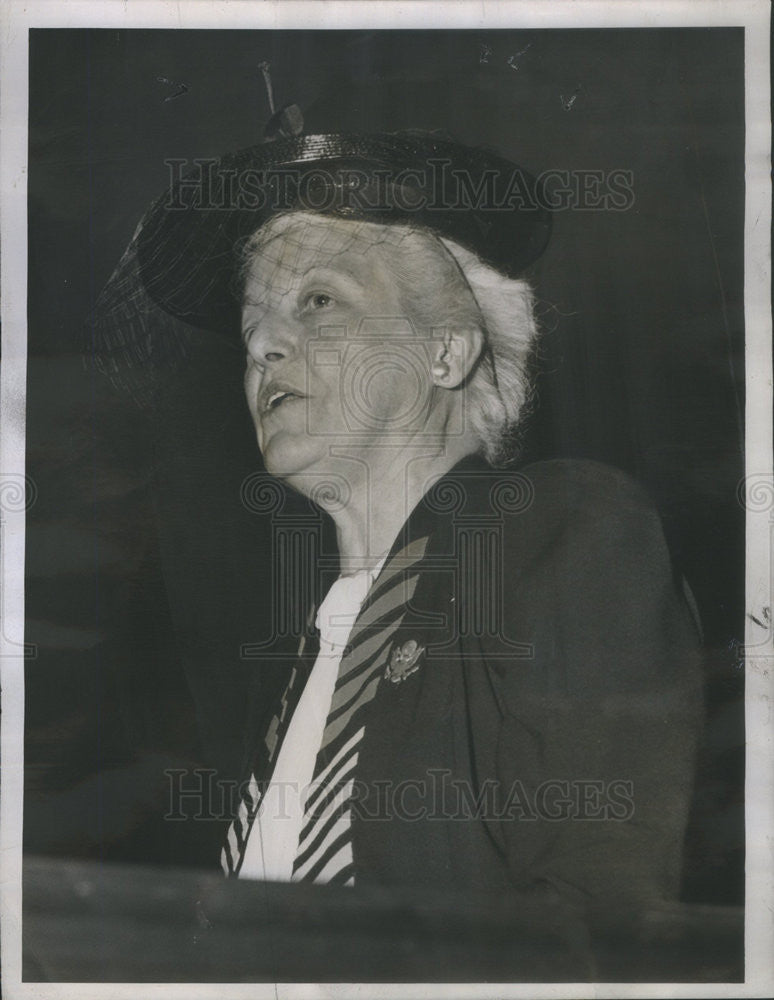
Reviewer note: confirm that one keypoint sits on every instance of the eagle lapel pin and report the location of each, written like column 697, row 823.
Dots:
column 404, row 660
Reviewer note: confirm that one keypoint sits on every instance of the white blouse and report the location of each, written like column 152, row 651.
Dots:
column 273, row 839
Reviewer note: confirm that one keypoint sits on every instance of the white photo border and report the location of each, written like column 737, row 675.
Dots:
column 15, row 20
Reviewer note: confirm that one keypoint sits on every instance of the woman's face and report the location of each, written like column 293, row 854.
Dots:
column 333, row 364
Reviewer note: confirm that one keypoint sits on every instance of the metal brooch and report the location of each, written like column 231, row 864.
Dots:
column 404, row 660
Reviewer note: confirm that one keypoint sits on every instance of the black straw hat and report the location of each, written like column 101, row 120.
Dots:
column 189, row 242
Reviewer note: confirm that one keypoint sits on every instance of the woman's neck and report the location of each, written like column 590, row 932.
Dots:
column 383, row 493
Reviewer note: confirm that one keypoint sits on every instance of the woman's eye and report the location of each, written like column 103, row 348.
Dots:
column 320, row 300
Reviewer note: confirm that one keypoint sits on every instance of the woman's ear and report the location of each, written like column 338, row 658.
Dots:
column 456, row 356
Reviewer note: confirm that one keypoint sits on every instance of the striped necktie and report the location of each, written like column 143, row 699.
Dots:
column 251, row 791
column 325, row 844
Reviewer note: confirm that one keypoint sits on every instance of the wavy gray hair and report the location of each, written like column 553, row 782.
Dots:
column 456, row 290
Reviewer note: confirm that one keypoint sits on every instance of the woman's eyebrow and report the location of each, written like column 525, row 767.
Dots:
column 342, row 275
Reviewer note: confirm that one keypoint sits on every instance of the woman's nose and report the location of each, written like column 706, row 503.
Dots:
column 272, row 340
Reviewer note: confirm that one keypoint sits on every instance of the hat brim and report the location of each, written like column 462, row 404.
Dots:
column 188, row 246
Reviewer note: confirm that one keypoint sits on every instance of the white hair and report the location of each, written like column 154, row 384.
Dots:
column 456, row 290
column 500, row 388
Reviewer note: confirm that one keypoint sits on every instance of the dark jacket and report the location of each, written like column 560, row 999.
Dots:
column 547, row 738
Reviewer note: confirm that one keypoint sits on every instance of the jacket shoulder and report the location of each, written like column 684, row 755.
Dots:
column 584, row 487
column 588, row 579
column 565, row 498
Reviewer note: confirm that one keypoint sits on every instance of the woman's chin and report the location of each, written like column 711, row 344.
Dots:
column 286, row 455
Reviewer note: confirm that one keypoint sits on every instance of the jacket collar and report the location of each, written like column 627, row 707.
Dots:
column 429, row 528
column 458, row 493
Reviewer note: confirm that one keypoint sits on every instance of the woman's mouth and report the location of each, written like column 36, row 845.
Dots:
column 279, row 398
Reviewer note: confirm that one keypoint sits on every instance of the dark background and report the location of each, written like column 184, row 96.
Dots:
column 145, row 572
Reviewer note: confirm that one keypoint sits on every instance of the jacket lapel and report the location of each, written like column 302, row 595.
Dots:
column 417, row 732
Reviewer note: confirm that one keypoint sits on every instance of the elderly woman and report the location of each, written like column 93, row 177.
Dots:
column 499, row 691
